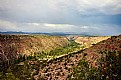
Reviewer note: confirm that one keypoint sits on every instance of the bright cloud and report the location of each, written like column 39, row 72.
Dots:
column 6, row 25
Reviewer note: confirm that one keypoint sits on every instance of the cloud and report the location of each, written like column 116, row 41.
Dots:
column 99, row 6
column 46, row 27
column 94, row 29
column 103, row 29
column 9, row 26
column 52, row 6
column 50, row 11
column 90, row 16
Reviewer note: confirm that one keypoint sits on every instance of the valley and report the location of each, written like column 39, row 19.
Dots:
column 75, row 59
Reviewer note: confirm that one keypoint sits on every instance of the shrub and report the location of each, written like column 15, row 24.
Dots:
column 83, row 71
column 110, row 65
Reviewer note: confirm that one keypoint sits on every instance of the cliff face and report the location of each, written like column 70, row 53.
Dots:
column 90, row 40
column 13, row 45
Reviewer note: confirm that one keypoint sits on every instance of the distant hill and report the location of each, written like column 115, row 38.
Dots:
column 52, row 34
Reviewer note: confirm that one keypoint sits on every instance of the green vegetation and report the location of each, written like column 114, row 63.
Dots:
column 71, row 48
column 27, row 67
column 17, row 72
column 84, row 71
column 110, row 65
column 109, row 68
column 22, row 70
column 8, row 75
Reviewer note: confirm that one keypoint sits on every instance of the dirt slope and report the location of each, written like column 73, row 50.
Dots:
column 62, row 68
column 13, row 45
column 93, row 53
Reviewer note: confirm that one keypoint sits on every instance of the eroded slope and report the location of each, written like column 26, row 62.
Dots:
column 13, row 45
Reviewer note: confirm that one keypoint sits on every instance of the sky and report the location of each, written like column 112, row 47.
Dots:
column 97, row 17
